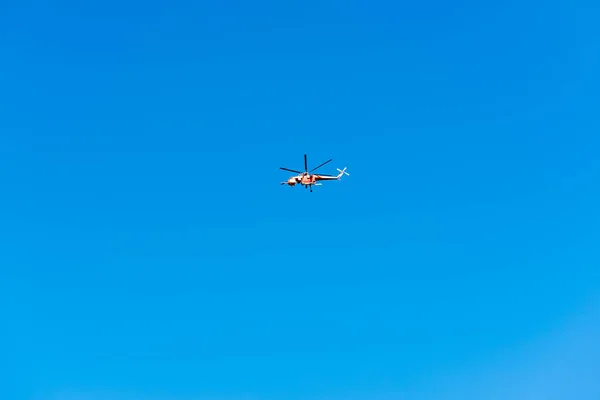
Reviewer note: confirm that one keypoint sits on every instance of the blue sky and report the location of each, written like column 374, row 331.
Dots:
column 148, row 250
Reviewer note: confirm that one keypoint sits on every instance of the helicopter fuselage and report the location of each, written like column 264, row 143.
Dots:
column 305, row 179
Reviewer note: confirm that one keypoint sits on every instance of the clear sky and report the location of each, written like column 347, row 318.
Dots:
column 147, row 250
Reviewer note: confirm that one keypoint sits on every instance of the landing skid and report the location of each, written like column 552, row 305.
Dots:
column 311, row 185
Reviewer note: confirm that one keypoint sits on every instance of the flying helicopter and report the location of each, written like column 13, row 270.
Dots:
column 308, row 179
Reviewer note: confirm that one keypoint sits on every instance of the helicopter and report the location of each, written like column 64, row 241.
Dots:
column 308, row 179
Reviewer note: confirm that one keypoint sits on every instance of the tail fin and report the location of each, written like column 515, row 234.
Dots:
column 342, row 172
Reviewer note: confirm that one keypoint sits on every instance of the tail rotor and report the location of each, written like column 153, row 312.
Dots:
column 342, row 172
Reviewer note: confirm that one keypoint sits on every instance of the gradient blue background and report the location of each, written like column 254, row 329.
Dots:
column 147, row 250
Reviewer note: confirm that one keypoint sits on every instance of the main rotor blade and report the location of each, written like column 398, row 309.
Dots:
column 291, row 170
column 321, row 165
column 305, row 164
